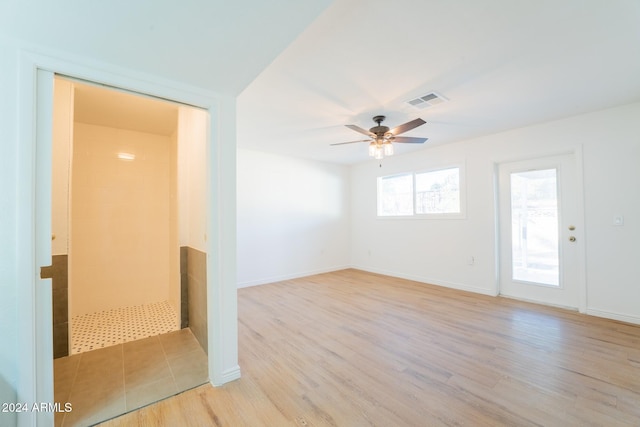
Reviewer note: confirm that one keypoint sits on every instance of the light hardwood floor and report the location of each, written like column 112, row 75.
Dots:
column 352, row 348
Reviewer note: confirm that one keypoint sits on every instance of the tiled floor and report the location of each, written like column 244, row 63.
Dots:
column 111, row 327
column 111, row 381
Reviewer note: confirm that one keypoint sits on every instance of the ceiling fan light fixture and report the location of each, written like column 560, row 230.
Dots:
column 379, row 155
column 388, row 148
column 372, row 149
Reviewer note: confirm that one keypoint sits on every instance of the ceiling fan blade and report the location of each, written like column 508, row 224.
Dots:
column 409, row 139
column 359, row 129
column 407, row 126
column 351, row 142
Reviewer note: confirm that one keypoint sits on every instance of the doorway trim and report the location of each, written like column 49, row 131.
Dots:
column 577, row 152
column 36, row 71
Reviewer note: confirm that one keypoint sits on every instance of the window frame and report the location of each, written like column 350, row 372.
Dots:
column 453, row 215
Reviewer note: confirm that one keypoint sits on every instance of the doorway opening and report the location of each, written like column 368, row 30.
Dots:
column 128, row 249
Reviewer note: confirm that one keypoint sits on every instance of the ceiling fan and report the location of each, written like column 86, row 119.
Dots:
column 381, row 137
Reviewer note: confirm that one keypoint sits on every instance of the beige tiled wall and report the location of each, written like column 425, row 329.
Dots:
column 184, row 288
column 58, row 273
column 196, row 277
column 120, row 212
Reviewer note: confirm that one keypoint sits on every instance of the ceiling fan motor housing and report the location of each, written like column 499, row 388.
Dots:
column 379, row 130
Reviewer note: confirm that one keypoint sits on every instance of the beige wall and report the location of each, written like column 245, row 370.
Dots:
column 192, row 207
column 192, row 177
column 61, row 155
column 174, row 291
column 120, row 215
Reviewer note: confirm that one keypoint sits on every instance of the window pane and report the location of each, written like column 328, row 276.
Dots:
column 534, row 227
column 438, row 192
column 395, row 195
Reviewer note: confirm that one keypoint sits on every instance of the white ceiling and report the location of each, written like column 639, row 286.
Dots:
column 218, row 45
column 502, row 64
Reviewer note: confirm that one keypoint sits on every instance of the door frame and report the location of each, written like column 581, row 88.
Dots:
column 36, row 71
column 577, row 153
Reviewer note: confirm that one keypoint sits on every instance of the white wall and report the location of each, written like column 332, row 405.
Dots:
column 611, row 181
column 436, row 251
column 430, row 250
column 293, row 217
column 9, row 334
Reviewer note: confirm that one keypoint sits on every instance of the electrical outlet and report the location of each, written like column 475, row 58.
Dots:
column 618, row 220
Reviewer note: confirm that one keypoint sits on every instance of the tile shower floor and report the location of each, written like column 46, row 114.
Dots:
column 104, row 383
column 111, row 327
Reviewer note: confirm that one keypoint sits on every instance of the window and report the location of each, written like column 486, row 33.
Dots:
column 438, row 192
column 395, row 195
column 426, row 194
column 534, row 227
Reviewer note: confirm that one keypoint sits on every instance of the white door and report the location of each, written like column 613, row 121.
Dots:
column 540, row 230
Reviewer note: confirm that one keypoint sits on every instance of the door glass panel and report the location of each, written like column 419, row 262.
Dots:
column 534, row 227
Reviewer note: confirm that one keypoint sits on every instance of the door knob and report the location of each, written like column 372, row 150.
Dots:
column 572, row 238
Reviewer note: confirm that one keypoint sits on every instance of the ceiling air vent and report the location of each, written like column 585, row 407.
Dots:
column 428, row 100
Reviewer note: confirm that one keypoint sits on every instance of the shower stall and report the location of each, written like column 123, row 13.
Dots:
column 128, row 212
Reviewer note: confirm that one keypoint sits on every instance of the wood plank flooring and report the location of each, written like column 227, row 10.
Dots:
column 352, row 348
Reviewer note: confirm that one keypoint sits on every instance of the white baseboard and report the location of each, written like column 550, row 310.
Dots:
column 431, row 281
column 615, row 316
column 228, row 375
column 297, row 275
column 533, row 301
